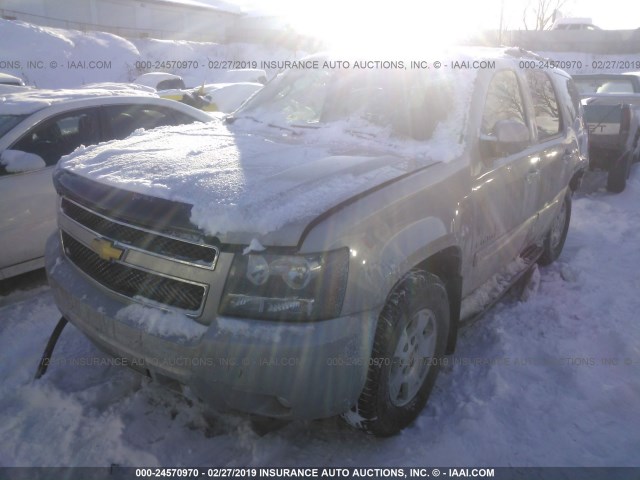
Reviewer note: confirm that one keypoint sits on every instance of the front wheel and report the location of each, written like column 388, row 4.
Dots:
column 554, row 241
column 408, row 348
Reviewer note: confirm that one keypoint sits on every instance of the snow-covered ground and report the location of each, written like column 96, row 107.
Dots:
column 550, row 381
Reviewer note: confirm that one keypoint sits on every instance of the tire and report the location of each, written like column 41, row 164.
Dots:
column 407, row 352
column 618, row 174
column 554, row 241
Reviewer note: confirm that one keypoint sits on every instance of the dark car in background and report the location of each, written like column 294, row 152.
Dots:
column 612, row 112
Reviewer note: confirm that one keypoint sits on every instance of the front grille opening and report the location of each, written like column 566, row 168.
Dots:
column 199, row 255
column 132, row 282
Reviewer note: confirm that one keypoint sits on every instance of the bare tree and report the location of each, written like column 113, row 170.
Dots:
column 541, row 13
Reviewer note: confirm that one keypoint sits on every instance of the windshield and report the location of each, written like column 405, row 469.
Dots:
column 409, row 103
column 7, row 122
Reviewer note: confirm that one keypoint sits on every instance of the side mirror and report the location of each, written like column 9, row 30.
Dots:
column 17, row 161
column 509, row 137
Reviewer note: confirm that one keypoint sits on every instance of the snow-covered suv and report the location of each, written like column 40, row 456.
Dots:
column 314, row 254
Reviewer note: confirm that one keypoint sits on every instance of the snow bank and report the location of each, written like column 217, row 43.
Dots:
column 70, row 58
column 64, row 55
column 161, row 323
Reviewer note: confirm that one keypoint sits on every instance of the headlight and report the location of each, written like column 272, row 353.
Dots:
column 286, row 287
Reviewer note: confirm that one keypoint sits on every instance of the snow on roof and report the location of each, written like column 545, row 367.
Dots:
column 5, row 78
column 152, row 79
column 119, row 87
column 30, row 101
column 574, row 21
column 219, row 5
column 4, row 89
column 229, row 96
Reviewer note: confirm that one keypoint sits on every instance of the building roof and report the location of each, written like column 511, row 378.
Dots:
column 217, row 5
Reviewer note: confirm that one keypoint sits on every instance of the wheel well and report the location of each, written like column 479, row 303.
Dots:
column 575, row 181
column 446, row 265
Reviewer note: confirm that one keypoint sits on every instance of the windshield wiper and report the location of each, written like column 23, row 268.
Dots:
column 231, row 119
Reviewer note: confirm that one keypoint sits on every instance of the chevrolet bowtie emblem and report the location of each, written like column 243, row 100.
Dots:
column 105, row 249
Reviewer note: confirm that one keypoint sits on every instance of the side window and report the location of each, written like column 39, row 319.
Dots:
column 545, row 104
column 61, row 135
column 123, row 120
column 504, row 102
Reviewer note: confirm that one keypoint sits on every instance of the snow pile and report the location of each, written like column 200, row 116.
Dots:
column 48, row 57
column 64, row 55
column 161, row 323
column 489, row 291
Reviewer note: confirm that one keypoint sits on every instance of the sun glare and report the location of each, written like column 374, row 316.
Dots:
column 389, row 28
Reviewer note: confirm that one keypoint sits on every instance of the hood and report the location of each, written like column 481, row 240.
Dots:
column 237, row 185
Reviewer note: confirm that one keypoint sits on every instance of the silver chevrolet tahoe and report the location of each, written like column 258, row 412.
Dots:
column 314, row 254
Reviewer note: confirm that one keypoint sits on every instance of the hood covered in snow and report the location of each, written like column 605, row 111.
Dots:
column 238, row 185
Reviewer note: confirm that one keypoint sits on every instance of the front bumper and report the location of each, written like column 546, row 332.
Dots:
column 281, row 370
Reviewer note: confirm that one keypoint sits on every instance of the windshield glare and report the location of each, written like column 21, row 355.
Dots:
column 410, row 103
column 7, row 122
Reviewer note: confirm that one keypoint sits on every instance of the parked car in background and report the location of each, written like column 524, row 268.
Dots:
column 612, row 112
column 611, row 83
column 614, row 135
column 6, row 79
column 234, row 88
column 574, row 23
column 214, row 97
column 253, row 75
column 160, row 81
column 227, row 97
column 315, row 254
column 38, row 127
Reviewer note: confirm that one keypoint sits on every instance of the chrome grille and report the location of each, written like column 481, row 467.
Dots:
column 132, row 282
column 152, row 242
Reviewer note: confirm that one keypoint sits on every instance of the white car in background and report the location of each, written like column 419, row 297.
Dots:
column 11, row 84
column 6, row 79
column 229, row 96
column 161, row 81
column 256, row 75
column 38, row 127
column 232, row 89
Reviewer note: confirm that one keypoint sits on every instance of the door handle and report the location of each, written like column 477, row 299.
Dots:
column 568, row 155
